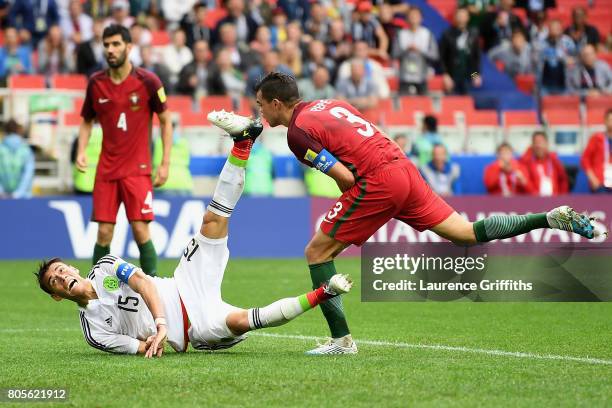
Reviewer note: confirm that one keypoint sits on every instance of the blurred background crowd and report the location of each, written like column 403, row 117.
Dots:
column 540, row 65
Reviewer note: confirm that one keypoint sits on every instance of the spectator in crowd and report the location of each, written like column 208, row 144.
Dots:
column 151, row 62
column 16, row 163
column 374, row 71
column 194, row 24
column 141, row 36
column 460, row 55
column 401, row 140
column 516, row 57
column 590, row 76
column 497, row 25
column 296, row 35
column 338, row 44
column 546, row 172
column 580, row 31
column 77, row 26
column 507, row 176
column 442, row 174
column 193, row 78
column 243, row 22
column 170, row 11
column 32, row 18
column 14, row 57
column 90, row 54
column 278, row 28
column 317, row 25
column 534, row 7
column 317, row 85
column 98, row 9
column 270, row 63
column 358, row 90
column 537, row 29
column 477, row 9
column 290, row 55
column 224, row 79
column 417, row 49
column 316, row 57
column 262, row 42
column 555, row 54
column 422, row 147
column 242, row 57
column 390, row 24
column 120, row 14
column 54, row 57
column 366, row 27
column 177, row 55
column 596, row 159
column 296, row 9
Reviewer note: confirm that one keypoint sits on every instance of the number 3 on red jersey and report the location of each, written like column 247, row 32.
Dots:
column 122, row 122
column 342, row 113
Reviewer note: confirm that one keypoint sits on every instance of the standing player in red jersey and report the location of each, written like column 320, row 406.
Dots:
column 378, row 183
column 123, row 100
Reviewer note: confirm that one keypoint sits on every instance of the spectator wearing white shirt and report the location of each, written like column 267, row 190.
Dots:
column 373, row 70
column 76, row 26
column 177, row 54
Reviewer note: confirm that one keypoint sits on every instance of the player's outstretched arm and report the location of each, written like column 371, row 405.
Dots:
column 84, row 134
column 144, row 286
column 342, row 175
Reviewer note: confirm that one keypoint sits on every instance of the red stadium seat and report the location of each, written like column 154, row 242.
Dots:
column 415, row 103
column 563, row 15
column 180, row 103
column 189, row 118
column 393, row 82
column 395, row 118
column 214, row 15
column 481, row 118
column 606, row 57
column 72, row 119
column 566, row 102
column 386, row 105
column 595, row 117
column 159, row 38
column 562, row 117
column 602, row 102
column 210, row 103
column 69, row 81
column 525, row 83
column 520, row 118
column 520, row 13
column 26, row 82
column 435, row 83
column 457, row 103
column 77, row 104
column 372, row 115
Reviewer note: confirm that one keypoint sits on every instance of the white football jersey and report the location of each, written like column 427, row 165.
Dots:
column 119, row 318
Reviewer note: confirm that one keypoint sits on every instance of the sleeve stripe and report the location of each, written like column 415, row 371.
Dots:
column 88, row 337
column 108, row 258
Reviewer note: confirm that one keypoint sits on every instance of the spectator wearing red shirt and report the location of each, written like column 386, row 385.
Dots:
column 545, row 170
column 596, row 161
column 507, row 176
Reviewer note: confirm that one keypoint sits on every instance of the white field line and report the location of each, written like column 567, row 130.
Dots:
column 500, row 353
column 378, row 343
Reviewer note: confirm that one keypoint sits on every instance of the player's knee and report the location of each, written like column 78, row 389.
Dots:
column 315, row 253
column 238, row 322
column 141, row 232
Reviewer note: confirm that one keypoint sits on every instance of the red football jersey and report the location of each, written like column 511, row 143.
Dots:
column 339, row 128
column 125, row 113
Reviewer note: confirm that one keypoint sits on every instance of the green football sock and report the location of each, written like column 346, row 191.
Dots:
column 506, row 226
column 148, row 258
column 332, row 309
column 99, row 252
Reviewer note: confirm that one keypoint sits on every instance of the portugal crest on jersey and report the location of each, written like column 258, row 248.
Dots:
column 134, row 99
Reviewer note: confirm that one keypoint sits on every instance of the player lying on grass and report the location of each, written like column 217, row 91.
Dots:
column 378, row 183
column 124, row 311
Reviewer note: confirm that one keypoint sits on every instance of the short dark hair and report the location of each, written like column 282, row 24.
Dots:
column 504, row 145
column 539, row 133
column 431, row 123
column 277, row 85
column 12, row 126
column 608, row 113
column 43, row 267
column 115, row 29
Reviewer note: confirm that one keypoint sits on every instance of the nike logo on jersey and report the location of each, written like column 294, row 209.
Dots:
column 146, row 210
column 101, row 100
column 109, row 321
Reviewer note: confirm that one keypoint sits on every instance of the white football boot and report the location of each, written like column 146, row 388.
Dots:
column 565, row 218
column 231, row 122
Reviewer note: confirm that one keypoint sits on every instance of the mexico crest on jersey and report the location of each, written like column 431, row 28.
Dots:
column 134, row 99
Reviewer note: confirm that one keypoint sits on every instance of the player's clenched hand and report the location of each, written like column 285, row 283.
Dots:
column 161, row 176
column 155, row 344
column 81, row 162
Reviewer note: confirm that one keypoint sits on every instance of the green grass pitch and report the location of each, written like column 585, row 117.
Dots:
column 41, row 345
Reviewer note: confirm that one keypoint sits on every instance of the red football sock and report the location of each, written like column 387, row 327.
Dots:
column 318, row 296
column 242, row 149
